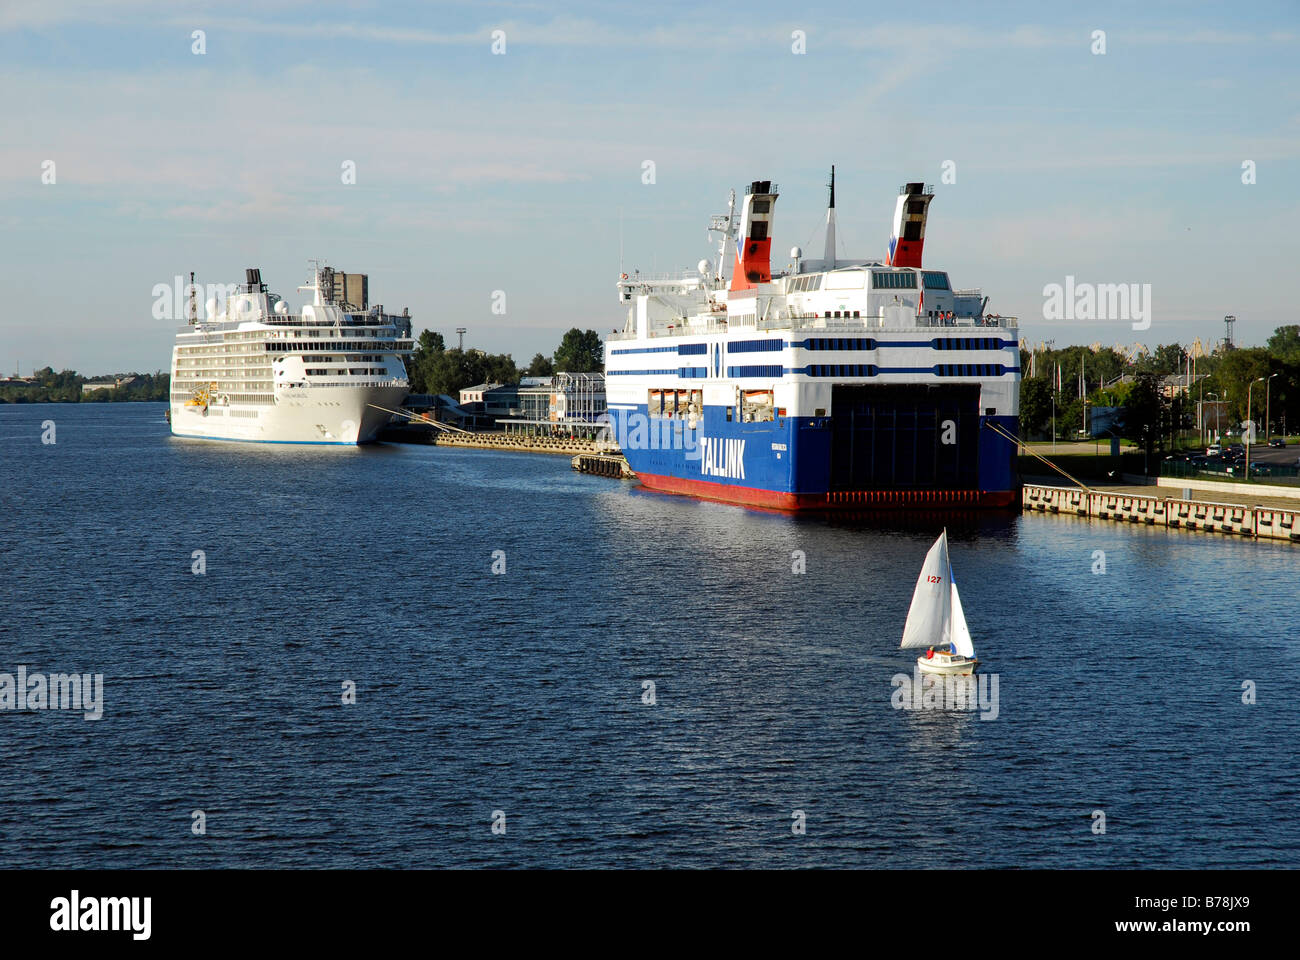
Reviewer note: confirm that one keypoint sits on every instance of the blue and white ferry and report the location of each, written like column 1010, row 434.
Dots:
column 835, row 384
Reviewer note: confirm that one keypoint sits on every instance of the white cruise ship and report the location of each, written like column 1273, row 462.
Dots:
column 252, row 371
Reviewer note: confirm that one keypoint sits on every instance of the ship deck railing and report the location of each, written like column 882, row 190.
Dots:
column 227, row 324
column 357, row 381
column 813, row 321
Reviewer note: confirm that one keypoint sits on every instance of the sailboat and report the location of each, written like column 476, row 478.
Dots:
column 936, row 620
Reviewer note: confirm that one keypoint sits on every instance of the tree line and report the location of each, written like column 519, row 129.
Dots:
column 433, row 368
column 1133, row 384
column 47, row 386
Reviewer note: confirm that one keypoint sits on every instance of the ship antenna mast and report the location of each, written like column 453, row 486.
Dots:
column 829, row 253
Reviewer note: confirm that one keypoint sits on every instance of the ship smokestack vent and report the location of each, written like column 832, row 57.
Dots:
column 907, row 238
column 754, row 237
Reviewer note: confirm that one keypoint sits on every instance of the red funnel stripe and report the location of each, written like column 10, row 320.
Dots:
column 753, row 264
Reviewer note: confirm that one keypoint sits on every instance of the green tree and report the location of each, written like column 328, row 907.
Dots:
column 1284, row 344
column 580, row 352
column 1143, row 415
column 1167, row 359
column 499, row 368
column 420, row 365
column 1231, row 380
column 1035, row 406
column 1069, row 414
column 455, row 369
column 540, row 366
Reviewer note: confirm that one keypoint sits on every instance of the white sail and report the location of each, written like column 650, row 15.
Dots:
column 961, row 640
column 929, row 621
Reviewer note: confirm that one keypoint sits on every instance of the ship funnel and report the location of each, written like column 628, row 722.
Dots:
column 754, row 241
column 907, row 238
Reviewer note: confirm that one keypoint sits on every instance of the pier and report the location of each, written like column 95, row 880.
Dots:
column 421, row 428
column 1274, row 520
column 603, row 465
column 519, row 443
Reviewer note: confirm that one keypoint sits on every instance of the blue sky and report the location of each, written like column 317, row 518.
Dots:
column 479, row 172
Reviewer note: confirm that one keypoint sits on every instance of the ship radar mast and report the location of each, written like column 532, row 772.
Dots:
column 317, row 284
column 724, row 225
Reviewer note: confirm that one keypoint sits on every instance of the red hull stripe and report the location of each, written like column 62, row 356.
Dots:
column 837, row 500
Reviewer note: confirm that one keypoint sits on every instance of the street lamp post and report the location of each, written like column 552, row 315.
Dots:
column 1249, row 416
column 1200, row 411
column 1216, row 413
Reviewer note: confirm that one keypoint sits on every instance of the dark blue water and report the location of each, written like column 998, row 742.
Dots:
column 522, row 692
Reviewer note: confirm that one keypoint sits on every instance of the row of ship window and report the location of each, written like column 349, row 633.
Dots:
column 352, row 371
column 181, row 397
column 277, row 347
column 880, row 280
column 817, row 343
column 823, row 370
column 861, row 370
column 296, row 334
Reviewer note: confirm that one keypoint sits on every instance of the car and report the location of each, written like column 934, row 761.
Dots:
column 1236, row 448
column 1277, row 442
column 1213, row 450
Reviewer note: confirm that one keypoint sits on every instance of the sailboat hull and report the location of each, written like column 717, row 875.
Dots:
column 945, row 665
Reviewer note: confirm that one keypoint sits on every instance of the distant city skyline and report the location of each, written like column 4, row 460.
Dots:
column 523, row 171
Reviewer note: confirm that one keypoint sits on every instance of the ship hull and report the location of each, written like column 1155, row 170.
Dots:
column 811, row 464
column 834, row 500
column 336, row 416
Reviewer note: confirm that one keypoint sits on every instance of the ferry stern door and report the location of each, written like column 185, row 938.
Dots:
column 904, row 437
